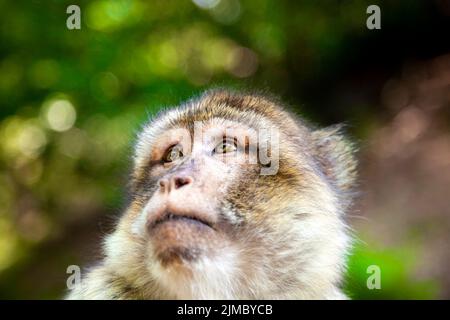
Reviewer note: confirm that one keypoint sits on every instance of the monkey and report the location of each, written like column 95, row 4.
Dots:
column 204, row 221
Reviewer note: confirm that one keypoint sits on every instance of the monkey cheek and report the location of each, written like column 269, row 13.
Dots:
column 183, row 241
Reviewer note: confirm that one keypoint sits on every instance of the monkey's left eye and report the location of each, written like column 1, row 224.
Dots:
column 173, row 153
column 225, row 147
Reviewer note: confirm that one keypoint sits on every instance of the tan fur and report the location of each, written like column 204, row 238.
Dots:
column 287, row 238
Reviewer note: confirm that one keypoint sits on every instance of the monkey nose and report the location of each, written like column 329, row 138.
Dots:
column 181, row 181
column 174, row 183
column 164, row 185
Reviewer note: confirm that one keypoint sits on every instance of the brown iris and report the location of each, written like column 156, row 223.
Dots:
column 226, row 146
column 173, row 153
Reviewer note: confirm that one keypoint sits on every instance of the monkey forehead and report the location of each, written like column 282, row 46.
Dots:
column 249, row 110
column 207, row 116
column 254, row 110
column 221, row 108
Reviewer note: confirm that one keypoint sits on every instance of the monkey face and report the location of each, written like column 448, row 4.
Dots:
column 185, row 190
column 208, row 220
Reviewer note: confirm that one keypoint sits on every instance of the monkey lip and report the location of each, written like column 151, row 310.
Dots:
column 183, row 218
column 179, row 238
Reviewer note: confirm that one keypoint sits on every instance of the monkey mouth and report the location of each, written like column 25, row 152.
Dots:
column 170, row 217
column 181, row 238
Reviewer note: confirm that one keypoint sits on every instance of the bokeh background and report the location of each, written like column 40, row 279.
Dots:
column 71, row 102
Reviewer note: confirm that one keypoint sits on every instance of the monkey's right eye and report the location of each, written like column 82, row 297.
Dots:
column 173, row 153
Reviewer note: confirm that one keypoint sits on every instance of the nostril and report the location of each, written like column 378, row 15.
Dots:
column 164, row 184
column 182, row 181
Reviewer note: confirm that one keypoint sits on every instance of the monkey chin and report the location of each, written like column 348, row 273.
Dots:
column 180, row 241
column 190, row 259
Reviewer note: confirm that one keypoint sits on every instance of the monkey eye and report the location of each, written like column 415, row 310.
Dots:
column 173, row 153
column 226, row 146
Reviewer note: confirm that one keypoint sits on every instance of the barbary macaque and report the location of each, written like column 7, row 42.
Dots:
column 232, row 197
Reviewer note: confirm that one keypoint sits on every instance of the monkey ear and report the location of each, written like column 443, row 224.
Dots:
column 336, row 157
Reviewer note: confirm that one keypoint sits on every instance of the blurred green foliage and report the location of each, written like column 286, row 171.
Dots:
column 72, row 100
column 396, row 274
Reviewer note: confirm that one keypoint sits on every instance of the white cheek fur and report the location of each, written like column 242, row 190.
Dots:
column 138, row 226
